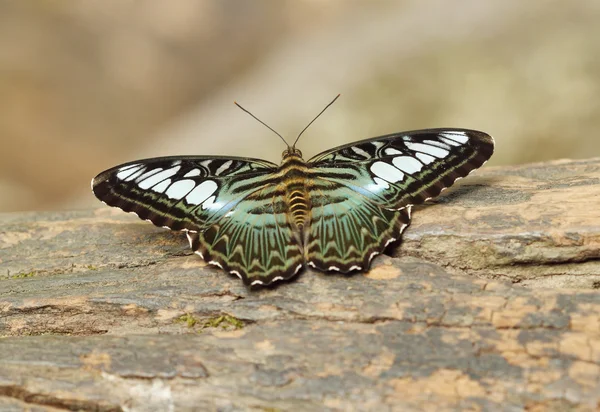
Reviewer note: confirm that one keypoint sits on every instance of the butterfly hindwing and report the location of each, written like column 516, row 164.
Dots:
column 255, row 241
column 405, row 168
column 347, row 229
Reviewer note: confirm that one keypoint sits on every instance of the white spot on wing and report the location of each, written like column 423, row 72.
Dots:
column 159, row 177
column 150, row 173
column 360, row 152
column 298, row 268
column 387, row 172
column 427, row 149
column 311, row 264
column 189, row 238
column 180, row 188
column 192, row 173
column 437, row 143
column 449, row 142
column 136, row 174
column 256, row 282
column 209, row 202
column 337, row 269
column 129, row 166
column 390, row 240
column 162, row 186
column 199, row 254
column 214, row 262
column 425, row 158
column 407, row 164
column 354, row 267
column 202, row 192
column 379, row 185
column 455, row 136
column 373, row 255
column 223, row 167
column 382, row 183
column 235, row 272
column 391, row 151
column 127, row 171
column 277, row 278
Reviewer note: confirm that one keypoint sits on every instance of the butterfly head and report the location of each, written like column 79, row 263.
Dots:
column 291, row 152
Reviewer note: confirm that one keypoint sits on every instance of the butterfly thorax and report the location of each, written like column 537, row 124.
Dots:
column 293, row 172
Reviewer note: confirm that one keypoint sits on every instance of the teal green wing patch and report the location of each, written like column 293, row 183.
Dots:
column 255, row 241
column 347, row 229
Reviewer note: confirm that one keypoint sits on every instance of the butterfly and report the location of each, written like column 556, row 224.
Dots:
column 265, row 222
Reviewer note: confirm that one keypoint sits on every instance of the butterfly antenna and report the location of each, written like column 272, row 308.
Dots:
column 312, row 121
column 263, row 123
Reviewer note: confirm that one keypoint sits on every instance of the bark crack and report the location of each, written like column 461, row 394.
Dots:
column 32, row 398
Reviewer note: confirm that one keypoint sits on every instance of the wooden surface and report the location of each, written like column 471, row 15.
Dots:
column 493, row 302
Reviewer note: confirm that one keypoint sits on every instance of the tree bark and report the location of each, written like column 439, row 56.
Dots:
column 491, row 301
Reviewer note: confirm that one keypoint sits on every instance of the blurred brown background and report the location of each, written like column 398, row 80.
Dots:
column 87, row 85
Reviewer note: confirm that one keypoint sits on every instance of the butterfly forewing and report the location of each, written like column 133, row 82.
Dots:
column 405, row 168
column 181, row 193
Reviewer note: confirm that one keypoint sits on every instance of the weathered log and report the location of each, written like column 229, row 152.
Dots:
column 99, row 311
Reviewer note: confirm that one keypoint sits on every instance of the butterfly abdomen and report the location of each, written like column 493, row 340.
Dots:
column 298, row 203
column 294, row 172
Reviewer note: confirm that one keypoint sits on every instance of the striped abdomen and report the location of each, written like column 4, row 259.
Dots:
column 293, row 170
column 297, row 199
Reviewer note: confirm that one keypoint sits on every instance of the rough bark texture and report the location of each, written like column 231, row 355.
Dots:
column 493, row 302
